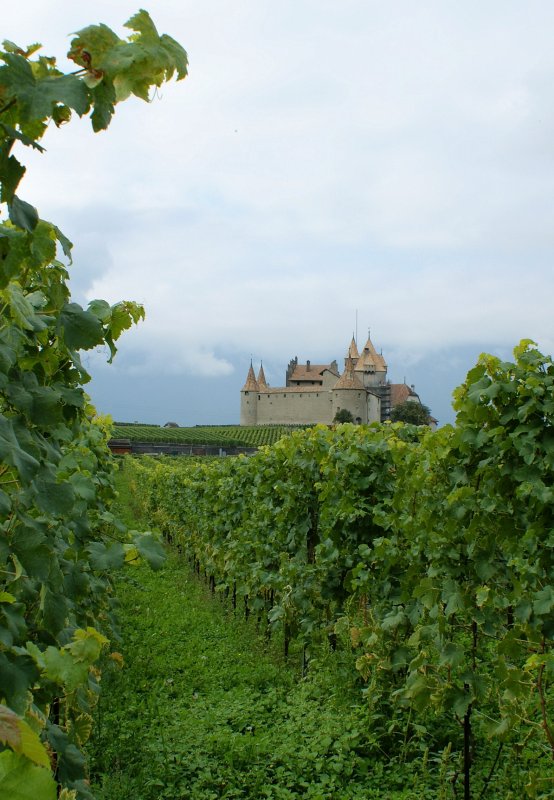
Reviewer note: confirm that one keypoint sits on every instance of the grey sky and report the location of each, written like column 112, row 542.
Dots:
column 322, row 157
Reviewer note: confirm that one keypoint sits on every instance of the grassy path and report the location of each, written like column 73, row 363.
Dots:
column 201, row 710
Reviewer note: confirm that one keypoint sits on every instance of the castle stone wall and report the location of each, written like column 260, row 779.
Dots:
column 294, row 408
column 353, row 401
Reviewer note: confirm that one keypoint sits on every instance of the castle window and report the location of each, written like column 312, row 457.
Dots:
column 284, row 395
column 259, row 398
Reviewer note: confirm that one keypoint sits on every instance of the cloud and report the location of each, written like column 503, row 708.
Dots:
column 320, row 158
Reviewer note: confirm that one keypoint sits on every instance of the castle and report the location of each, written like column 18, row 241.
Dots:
column 317, row 392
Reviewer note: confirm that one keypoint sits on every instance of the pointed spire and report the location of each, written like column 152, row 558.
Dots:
column 261, row 378
column 353, row 349
column 251, row 384
column 371, row 358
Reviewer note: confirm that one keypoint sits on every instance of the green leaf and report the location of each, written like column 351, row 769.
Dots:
column 22, row 309
column 43, row 243
column 142, row 23
column 103, row 97
column 150, row 549
column 11, row 172
column 67, row 246
column 100, row 309
column 83, row 486
column 22, row 739
column 23, row 214
column 71, row 762
column 103, row 557
column 26, row 140
column 460, row 701
column 31, row 746
column 544, row 601
column 523, row 610
column 61, row 667
column 452, row 655
column 46, row 409
column 54, row 498
column 81, row 329
column 36, row 98
column 481, row 595
column 16, row 678
column 21, row 779
column 87, row 645
column 177, row 55
column 54, row 611
column 12, row 453
column 454, row 603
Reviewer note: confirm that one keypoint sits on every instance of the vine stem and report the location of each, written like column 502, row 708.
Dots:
column 491, row 771
column 545, row 724
column 8, row 106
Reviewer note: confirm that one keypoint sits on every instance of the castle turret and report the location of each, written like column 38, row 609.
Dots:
column 350, row 394
column 249, row 399
column 371, row 367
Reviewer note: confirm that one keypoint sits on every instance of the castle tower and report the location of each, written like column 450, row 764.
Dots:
column 371, row 367
column 349, row 393
column 249, row 399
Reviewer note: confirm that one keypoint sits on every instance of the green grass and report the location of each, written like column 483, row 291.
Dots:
column 205, row 709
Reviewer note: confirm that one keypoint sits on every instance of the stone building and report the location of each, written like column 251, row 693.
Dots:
column 316, row 392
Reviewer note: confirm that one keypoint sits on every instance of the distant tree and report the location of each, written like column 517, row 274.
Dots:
column 411, row 411
column 343, row 415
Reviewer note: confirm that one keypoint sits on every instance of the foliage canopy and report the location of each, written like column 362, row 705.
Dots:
column 412, row 412
column 58, row 538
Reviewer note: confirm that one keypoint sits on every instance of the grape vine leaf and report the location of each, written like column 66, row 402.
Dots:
column 20, row 779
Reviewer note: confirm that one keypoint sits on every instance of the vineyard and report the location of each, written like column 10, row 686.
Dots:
column 220, row 435
column 428, row 555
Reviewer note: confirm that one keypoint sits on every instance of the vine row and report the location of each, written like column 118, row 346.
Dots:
column 429, row 553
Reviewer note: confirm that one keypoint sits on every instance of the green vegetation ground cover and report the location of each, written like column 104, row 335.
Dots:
column 221, row 435
column 202, row 709
column 205, row 707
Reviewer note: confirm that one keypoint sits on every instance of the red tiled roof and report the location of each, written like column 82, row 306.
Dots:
column 400, row 392
column 312, row 373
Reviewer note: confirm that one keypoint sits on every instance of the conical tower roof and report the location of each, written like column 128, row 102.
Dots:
column 369, row 357
column 262, row 384
column 251, row 384
column 349, row 379
column 353, row 350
